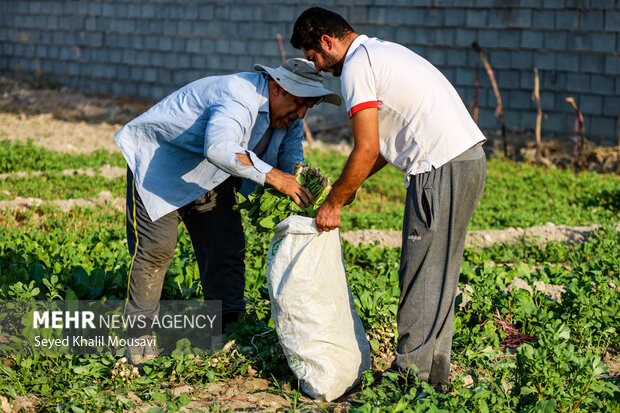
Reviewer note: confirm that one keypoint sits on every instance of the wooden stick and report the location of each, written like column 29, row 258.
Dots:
column 499, row 111
column 307, row 132
column 281, row 44
column 474, row 103
column 538, row 116
column 582, row 130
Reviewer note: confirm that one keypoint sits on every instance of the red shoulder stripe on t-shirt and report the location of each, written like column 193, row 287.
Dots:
column 363, row 105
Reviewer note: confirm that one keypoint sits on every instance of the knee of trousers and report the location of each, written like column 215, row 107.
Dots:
column 154, row 254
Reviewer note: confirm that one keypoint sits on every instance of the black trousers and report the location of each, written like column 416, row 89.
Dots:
column 217, row 237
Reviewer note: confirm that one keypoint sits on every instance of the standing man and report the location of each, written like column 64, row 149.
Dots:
column 186, row 158
column 403, row 111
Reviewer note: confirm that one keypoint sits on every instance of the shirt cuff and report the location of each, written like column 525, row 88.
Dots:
column 260, row 165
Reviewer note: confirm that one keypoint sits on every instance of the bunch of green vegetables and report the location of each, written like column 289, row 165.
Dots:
column 267, row 207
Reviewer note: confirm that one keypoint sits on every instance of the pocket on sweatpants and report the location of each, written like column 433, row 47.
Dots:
column 427, row 206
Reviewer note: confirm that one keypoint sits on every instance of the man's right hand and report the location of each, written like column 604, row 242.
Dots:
column 288, row 185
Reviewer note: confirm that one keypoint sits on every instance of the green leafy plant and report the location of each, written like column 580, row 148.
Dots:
column 555, row 375
column 267, row 207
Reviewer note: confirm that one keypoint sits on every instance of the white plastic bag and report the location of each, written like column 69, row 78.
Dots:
column 313, row 310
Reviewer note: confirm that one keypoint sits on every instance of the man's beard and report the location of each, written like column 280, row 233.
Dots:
column 332, row 64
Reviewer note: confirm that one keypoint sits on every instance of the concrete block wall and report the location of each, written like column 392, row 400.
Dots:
column 150, row 48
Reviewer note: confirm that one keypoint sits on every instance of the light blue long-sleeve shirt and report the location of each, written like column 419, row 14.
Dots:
column 187, row 143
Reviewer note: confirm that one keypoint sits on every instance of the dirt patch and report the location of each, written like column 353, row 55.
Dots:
column 485, row 238
column 61, row 119
column 68, row 105
column 104, row 198
column 563, row 153
column 58, row 135
column 249, row 394
column 383, row 238
column 106, row 171
column 611, row 360
column 551, row 291
column 22, row 404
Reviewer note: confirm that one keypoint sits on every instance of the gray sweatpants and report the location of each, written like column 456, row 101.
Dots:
column 218, row 240
column 439, row 206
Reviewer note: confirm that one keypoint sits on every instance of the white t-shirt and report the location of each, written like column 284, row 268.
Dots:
column 423, row 122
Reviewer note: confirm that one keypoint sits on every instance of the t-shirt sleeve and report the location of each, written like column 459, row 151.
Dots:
column 358, row 83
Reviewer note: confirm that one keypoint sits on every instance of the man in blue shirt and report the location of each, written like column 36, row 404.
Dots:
column 187, row 158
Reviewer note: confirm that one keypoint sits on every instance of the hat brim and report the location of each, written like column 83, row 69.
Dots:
column 299, row 86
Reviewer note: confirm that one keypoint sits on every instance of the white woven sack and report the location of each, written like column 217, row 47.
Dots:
column 313, row 310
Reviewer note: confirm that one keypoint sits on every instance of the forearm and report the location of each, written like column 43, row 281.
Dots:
column 237, row 161
column 379, row 164
column 364, row 160
column 358, row 167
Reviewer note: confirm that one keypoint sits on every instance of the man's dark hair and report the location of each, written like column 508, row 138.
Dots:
column 314, row 23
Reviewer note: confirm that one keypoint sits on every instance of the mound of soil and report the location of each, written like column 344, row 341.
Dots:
column 484, row 238
column 67, row 105
column 560, row 152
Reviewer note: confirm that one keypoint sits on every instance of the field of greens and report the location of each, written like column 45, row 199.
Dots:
column 513, row 351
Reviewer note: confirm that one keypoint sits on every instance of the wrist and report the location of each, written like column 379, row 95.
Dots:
column 333, row 202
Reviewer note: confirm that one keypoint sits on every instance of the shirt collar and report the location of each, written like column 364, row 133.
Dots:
column 355, row 44
column 263, row 88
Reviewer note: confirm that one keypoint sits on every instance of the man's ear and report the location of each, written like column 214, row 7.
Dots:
column 279, row 90
column 327, row 42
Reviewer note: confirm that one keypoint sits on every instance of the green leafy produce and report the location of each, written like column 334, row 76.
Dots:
column 267, row 207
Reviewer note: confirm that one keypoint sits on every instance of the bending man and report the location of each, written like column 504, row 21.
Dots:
column 188, row 156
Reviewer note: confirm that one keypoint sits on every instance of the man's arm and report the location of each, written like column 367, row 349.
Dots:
column 379, row 164
column 226, row 126
column 362, row 161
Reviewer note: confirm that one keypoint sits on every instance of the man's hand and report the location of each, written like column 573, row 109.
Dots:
column 327, row 217
column 283, row 182
column 287, row 184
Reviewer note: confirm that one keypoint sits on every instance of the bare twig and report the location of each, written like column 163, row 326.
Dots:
column 307, row 132
column 221, row 399
column 499, row 111
column 538, row 116
column 580, row 126
column 474, row 103
column 281, row 45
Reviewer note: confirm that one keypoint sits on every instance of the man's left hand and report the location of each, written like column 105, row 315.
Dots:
column 327, row 217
